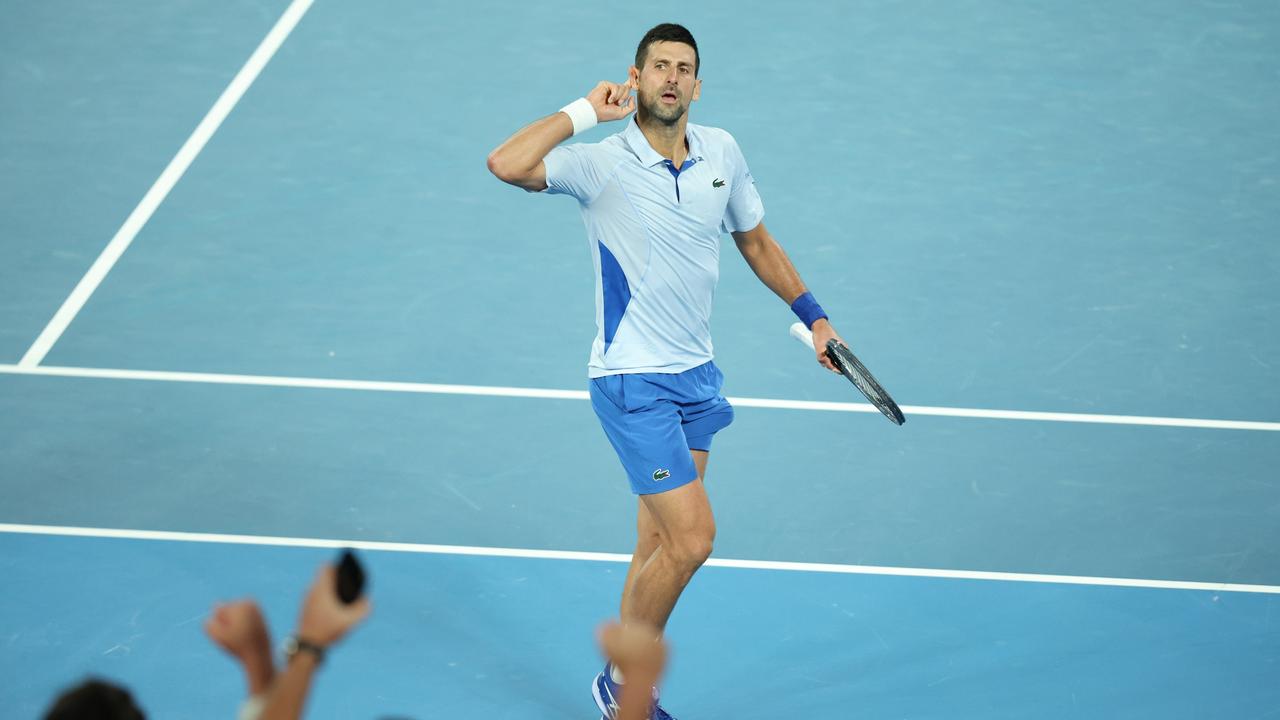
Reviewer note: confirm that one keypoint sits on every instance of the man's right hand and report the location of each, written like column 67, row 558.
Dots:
column 239, row 628
column 325, row 619
column 612, row 101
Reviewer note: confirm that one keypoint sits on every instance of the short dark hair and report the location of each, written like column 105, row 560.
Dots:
column 95, row 700
column 667, row 32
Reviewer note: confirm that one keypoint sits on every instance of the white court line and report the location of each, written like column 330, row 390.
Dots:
column 622, row 558
column 163, row 184
column 495, row 391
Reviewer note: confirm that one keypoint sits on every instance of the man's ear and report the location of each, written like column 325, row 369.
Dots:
column 633, row 77
column 697, row 89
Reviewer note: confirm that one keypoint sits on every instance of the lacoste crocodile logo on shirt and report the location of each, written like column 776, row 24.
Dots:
column 717, row 183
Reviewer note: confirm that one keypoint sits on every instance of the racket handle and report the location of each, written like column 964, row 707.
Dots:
column 801, row 333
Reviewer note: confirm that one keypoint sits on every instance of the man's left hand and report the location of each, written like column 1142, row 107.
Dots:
column 822, row 332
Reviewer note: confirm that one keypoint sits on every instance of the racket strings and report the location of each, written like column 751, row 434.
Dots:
column 857, row 373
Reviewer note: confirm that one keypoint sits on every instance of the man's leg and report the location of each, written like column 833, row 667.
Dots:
column 649, row 539
column 686, row 532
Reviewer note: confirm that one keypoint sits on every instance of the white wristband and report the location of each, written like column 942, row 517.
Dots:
column 582, row 114
column 252, row 708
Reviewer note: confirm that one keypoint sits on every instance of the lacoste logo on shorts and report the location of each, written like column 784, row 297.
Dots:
column 661, row 475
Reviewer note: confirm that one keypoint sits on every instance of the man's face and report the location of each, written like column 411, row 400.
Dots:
column 666, row 84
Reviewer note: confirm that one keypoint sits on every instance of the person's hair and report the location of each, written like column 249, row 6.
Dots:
column 95, row 700
column 667, row 32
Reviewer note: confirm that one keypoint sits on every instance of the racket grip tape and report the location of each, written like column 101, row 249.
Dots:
column 803, row 334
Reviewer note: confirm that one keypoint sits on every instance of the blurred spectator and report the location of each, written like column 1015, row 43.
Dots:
column 239, row 628
column 95, row 699
column 640, row 654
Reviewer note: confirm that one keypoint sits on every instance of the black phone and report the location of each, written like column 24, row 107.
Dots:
column 350, row 577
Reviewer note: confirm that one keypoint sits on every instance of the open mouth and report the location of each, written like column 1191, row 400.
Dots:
column 669, row 97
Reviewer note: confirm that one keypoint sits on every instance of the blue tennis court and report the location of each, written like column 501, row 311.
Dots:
column 260, row 297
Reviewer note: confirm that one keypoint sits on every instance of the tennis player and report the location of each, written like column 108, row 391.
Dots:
column 655, row 198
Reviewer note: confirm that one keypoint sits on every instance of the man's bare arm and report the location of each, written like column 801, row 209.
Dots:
column 324, row 621
column 518, row 161
column 770, row 263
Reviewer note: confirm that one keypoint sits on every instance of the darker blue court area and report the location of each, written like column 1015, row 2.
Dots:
column 508, row 638
column 1058, row 207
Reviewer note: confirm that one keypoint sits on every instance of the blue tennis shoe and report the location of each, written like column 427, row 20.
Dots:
column 659, row 713
column 608, row 693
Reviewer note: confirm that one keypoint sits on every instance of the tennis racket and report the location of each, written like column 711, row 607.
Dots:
column 851, row 367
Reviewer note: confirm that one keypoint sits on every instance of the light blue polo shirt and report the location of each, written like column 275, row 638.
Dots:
column 654, row 232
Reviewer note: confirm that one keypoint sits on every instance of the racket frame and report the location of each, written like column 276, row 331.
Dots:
column 857, row 375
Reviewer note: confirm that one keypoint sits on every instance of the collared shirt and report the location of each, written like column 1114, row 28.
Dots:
column 654, row 233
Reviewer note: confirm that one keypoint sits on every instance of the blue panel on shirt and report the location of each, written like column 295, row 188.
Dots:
column 616, row 292
column 676, row 173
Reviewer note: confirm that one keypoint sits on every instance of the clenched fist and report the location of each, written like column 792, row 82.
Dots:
column 612, row 101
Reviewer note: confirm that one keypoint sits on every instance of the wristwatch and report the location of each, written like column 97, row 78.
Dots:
column 293, row 645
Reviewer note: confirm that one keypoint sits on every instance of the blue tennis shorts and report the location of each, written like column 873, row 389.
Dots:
column 653, row 420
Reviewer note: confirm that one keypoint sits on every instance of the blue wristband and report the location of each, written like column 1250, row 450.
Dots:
column 807, row 309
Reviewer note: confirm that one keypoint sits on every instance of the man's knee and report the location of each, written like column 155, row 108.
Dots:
column 693, row 548
column 700, row 550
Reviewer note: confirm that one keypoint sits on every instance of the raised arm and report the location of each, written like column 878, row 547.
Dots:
column 770, row 263
column 518, row 161
column 324, row 621
column 239, row 628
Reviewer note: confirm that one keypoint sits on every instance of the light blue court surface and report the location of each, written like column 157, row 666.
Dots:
column 1052, row 207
